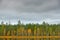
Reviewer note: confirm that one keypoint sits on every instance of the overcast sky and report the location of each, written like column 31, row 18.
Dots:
column 30, row 11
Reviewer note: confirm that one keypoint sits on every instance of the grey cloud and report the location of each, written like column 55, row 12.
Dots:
column 30, row 5
column 30, row 10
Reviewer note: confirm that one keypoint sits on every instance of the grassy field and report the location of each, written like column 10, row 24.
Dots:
column 29, row 37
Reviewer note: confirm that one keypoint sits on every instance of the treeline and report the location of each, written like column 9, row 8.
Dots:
column 19, row 29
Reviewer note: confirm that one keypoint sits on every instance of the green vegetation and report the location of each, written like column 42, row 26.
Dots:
column 19, row 29
column 43, row 29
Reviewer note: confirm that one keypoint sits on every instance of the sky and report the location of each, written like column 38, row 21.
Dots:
column 30, row 11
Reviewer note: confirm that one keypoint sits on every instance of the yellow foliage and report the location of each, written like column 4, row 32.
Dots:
column 34, row 31
column 8, row 33
column 29, row 30
column 4, row 31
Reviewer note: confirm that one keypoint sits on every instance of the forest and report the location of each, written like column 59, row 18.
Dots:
column 30, row 29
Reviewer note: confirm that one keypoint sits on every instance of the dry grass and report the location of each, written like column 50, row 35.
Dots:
column 29, row 36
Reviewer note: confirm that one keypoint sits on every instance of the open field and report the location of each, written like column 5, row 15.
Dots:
column 29, row 36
